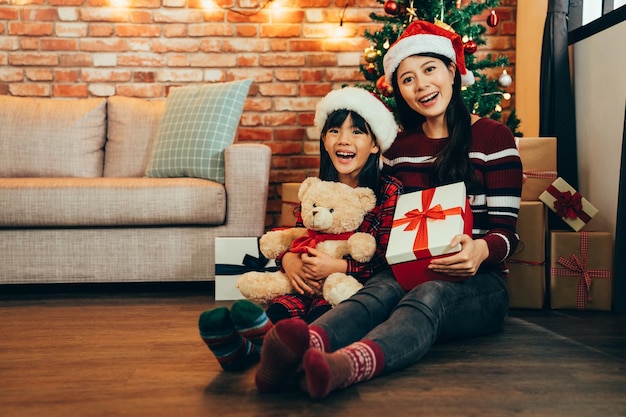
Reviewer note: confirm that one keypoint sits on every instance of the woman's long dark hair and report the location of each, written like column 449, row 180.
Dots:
column 453, row 163
column 369, row 175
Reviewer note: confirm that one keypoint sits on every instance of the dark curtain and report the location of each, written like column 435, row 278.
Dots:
column 556, row 99
column 619, row 270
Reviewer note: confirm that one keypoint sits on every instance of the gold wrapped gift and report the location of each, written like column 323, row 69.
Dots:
column 581, row 270
column 290, row 204
column 538, row 157
column 526, row 281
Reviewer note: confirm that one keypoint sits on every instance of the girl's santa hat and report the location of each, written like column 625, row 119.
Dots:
column 377, row 115
column 423, row 37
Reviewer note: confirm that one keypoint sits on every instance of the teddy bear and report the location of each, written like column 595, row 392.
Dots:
column 331, row 212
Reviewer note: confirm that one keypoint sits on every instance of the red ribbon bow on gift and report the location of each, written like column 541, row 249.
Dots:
column 576, row 266
column 417, row 218
column 568, row 205
column 312, row 238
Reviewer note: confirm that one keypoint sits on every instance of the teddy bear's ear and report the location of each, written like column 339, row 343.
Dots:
column 306, row 184
column 366, row 197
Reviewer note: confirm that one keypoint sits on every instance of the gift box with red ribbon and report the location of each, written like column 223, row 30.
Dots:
column 290, row 204
column 526, row 282
column 568, row 204
column 581, row 270
column 423, row 226
column 538, row 157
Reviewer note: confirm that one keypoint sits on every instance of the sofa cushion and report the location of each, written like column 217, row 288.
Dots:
column 198, row 123
column 74, row 202
column 132, row 124
column 43, row 137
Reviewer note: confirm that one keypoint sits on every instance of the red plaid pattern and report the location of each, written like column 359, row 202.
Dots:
column 577, row 267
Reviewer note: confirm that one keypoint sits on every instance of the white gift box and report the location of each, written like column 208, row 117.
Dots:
column 424, row 223
column 235, row 256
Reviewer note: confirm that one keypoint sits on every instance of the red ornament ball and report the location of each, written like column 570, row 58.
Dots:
column 384, row 88
column 392, row 7
column 470, row 46
column 492, row 19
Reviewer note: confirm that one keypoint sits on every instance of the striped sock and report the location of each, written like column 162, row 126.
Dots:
column 325, row 372
column 250, row 321
column 232, row 351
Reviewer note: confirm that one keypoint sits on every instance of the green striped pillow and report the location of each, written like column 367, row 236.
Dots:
column 199, row 122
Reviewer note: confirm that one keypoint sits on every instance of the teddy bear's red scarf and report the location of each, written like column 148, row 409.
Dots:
column 312, row 238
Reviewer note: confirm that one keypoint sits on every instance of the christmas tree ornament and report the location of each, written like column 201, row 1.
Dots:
column 384, row 88
column 411, row 12
column 458, row 4
column 470, row 46
column 370, row 68
column 392, row 7
column 504, row 80
column 492, row 19
column 371, row 54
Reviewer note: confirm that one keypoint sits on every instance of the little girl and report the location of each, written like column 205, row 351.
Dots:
column 356, row 128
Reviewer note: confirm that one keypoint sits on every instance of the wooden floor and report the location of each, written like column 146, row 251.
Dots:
column 135, row 351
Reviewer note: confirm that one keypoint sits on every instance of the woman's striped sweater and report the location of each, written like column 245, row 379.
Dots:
column 497, row 166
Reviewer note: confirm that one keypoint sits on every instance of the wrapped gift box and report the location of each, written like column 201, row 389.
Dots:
column 568, row 204
column 233, row 257
column 538, row 157
column 581, row 270
column 290, row 204
column 424, row 223
column 526, row 281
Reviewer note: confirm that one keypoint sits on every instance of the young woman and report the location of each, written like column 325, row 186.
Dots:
column 356, row 127
column 382, row 328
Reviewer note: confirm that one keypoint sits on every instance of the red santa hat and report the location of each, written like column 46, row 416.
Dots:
column 422, row 37
column 377, row 115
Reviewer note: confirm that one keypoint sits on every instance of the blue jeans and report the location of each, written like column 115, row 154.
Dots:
column 406, row 324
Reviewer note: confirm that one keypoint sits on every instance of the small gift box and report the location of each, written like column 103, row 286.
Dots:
column 424, row 223
column 568, row 204
column 233, row 257
column 290, row 204
column 538, row 157
column 581, row 270
column 526, row 282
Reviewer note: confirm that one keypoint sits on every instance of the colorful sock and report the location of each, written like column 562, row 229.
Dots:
column 232, row 351
column 250, row 321
column 283, row 348
column 325, row 372
column 319, row 339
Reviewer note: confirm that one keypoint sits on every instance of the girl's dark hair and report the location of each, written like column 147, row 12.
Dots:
column 453, row 163
column 369, row 175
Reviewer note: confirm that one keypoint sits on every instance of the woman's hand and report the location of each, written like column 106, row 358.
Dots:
column 464, row 263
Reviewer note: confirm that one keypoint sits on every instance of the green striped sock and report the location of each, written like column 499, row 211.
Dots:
column 233, row 352
column 250, row 321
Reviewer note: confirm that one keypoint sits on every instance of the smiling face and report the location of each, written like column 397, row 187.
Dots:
column 426, row 84
column 349, row 147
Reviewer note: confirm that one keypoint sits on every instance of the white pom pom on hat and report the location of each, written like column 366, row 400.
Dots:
column 367, row 105
column 423, row 37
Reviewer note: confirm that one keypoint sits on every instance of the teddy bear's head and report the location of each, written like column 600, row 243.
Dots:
column 333, row 207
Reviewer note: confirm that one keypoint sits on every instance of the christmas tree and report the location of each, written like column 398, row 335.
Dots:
column 485, row 95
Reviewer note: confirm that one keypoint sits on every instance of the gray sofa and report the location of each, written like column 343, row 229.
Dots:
column 75, row 205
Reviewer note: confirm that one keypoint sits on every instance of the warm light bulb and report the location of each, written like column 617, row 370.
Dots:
column 507, row 96
column 498, row 108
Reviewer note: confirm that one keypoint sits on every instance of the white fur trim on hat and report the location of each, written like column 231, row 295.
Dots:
column 422, row 37
column 373, row 110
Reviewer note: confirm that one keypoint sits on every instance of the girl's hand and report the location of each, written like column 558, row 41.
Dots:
column 317, row 265
column 292, row 264
column 464, row 263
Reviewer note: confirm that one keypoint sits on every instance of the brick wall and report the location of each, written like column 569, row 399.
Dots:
column 141, row 48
